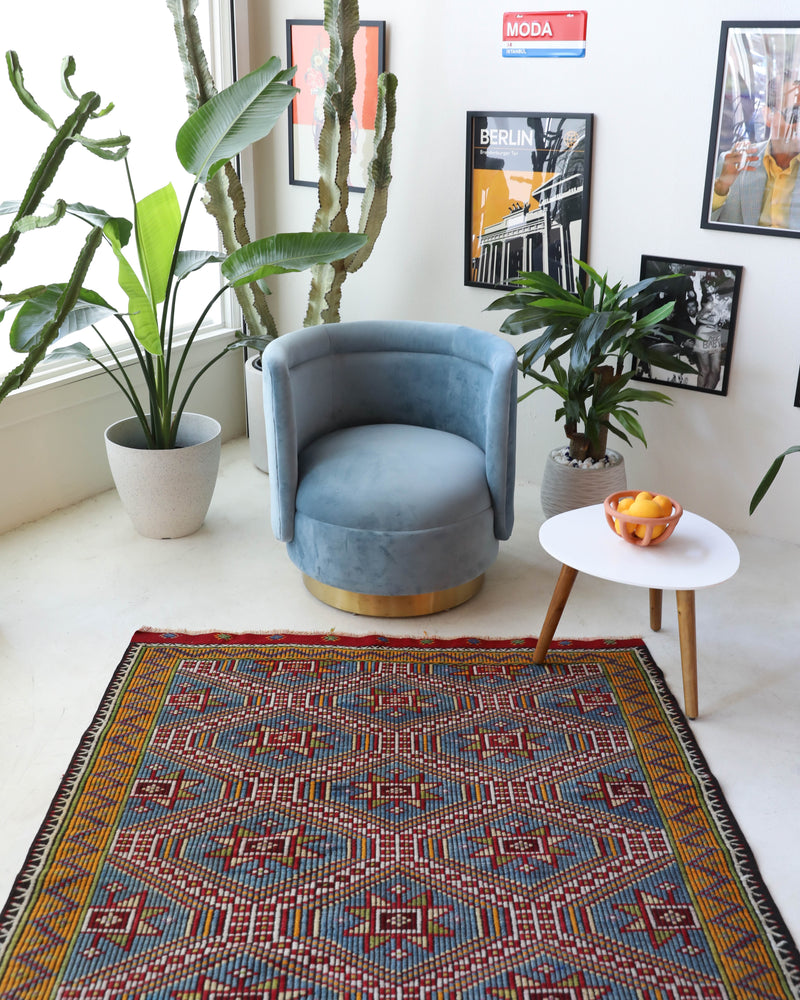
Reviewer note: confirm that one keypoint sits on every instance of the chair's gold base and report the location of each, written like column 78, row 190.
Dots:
column 391, row 606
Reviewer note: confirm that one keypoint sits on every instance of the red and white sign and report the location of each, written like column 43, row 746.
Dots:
column 548, row 34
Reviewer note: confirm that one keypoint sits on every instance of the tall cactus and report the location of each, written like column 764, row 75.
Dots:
column 226, row 200
column 67, row 135
column 335, row 151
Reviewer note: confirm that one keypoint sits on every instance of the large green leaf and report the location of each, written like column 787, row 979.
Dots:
column 157, row 227
column 288, row 252
column 144, row 318
column 192, row 260
column 99, row 217
column 233, row 119
column 38, row 312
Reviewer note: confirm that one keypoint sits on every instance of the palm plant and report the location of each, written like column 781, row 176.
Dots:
column 218, row 131
column 601, row 329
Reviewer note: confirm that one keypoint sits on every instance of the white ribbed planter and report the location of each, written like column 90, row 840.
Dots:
column 256, row 426
column 565, row 487
column 166, row 492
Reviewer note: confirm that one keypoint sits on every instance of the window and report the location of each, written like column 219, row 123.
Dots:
column 132, row 61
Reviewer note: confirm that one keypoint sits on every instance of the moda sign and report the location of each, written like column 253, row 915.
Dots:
column 548, row 34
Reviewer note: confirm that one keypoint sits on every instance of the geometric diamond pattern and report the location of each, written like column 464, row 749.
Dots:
column 367, row 818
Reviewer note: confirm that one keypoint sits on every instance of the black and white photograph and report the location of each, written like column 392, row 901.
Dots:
column 701, row 325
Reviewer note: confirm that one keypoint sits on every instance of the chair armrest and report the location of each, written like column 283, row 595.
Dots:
column 281, row 427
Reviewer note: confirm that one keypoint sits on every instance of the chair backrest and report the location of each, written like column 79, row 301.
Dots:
column 449, row 377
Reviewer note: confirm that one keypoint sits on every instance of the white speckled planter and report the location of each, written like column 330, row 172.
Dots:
column 166, row 492
column 565, row 487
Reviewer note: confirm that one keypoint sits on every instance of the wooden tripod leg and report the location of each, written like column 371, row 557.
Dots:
column 655, row 609
column 557, row 604
column 688, row 637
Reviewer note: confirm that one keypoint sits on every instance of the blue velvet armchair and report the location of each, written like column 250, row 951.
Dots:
column 391, row 449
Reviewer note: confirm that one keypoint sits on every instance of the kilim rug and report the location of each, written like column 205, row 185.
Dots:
column 284, row 816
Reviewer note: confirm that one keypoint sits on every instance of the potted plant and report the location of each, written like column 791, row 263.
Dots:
column 161, row 432
column 69, row 134
column 588, row 342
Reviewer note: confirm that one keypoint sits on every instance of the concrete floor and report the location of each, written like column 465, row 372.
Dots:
column 77, row 584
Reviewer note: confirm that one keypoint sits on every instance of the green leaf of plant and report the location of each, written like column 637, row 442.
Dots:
column 40, row 310
column 79, row 351
column 233, row 119
column 769, row 478
column 655, row 317
column 192, row 260
column 157, row 226
column 288, row 252
column 144, row 318
column 542, row 283
column 122, row 228
column 630, row 424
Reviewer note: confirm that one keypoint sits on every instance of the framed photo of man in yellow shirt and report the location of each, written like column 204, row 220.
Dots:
column 754, row 149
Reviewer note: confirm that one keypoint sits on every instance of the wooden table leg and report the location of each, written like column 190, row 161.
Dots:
column 557, row 603
column 688, row 637
column 655, row 609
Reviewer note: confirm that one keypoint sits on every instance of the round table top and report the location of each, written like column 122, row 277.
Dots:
column 697, row 554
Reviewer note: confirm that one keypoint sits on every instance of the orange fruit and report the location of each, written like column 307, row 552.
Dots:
column 623, row 504
column 644, row 495
column 664, row 504
column 644, row 507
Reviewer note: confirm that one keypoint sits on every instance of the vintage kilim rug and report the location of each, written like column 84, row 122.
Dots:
column 284, row 816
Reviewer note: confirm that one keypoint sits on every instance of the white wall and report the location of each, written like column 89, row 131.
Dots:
column 648, row 77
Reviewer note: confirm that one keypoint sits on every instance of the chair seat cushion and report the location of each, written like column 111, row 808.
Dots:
column 392, row 478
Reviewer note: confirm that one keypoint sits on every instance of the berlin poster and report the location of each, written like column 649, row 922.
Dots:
column 527, row 196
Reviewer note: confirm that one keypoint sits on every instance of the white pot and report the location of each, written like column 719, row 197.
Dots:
column 165, row 491
column 565, row 487
column 256, row 425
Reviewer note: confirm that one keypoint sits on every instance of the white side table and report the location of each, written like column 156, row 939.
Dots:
column 697, row 554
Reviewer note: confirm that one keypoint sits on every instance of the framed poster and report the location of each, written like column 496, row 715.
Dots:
column 308, row 48
column 706, row 297
column 751, row 185
column 527, row 196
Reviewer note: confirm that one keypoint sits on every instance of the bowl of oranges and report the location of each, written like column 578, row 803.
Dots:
column 642, row 518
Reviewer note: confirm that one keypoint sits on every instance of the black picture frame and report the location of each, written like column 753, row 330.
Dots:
column 748, row 125
column 307, row 47
column 706, row 298
column 527, row 196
